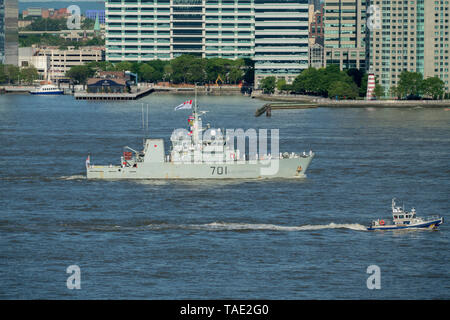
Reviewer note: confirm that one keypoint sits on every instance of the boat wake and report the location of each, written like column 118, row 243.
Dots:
column 224, row 226
column 43, row 178
column 74, row 177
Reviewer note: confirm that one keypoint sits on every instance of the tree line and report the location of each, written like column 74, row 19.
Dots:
column 332, row 82
column 55, row 24
column 10, row 74
column 412, row 85
column 185, row 69
column 47, row 39
column 325, row 82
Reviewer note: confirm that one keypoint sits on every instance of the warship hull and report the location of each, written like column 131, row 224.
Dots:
column 278, row 168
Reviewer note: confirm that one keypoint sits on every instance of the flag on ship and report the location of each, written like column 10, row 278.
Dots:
column 184, row 105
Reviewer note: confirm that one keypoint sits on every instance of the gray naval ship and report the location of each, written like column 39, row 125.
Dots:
column 203, row 153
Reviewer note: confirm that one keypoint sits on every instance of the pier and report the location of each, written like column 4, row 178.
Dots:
column 16, row 89
column 268, row 107
column 141, row 92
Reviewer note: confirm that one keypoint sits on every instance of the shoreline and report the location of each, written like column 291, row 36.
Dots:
column 232, row 90
column 329, row 103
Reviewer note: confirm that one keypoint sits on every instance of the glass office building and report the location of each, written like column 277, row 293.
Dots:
column 281, row 38
column 273, row 32
column 9, row 47
column 93, row 14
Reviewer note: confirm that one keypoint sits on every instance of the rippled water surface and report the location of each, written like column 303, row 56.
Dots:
column 251, row 239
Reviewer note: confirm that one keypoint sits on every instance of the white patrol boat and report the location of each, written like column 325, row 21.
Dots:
column 405, row 220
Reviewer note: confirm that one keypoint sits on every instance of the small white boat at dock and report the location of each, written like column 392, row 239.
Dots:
column 47, row 89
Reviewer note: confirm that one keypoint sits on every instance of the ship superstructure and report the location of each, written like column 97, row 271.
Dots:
column 203, row 153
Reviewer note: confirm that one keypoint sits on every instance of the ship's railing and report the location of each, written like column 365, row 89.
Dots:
column 431, row 218
column 386, row 222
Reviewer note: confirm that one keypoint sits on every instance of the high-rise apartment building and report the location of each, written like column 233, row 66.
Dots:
column 273, row 32
column 344, row 33
column 409, row 35
column 9, row 46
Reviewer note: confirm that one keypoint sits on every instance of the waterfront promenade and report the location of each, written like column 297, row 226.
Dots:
column 332, row 103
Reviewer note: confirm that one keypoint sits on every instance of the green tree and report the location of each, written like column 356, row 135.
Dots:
column 26, row 40
column 123, row 66
column 180, row 66
column 158, row 66
column 343, row 90
column 249, row 72
column 146, row 72
column 433, row 87
column 236, row 73
column 268, row 85
column 9, row 73
column 80, row 74
column 332, row 74
column 29, row 74
column 2, row 74
column 95, row 41
column 308, row 81
column 281, row 84
column 319, row 81
column 357, row 75
column 378, row 91
column 410, row 84
column 216, row 67
column 363, row 86
column 196, row 71
column 101, row 65
column 168, row 71
column 187, row 69
column 87, row 24
column 47, row 24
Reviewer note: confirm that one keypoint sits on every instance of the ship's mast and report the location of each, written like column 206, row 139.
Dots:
column 143, row 128
column 196, row 119
column 195, row 103
column 144, row 124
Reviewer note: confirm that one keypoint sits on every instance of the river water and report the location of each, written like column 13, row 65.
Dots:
column 251, row 239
